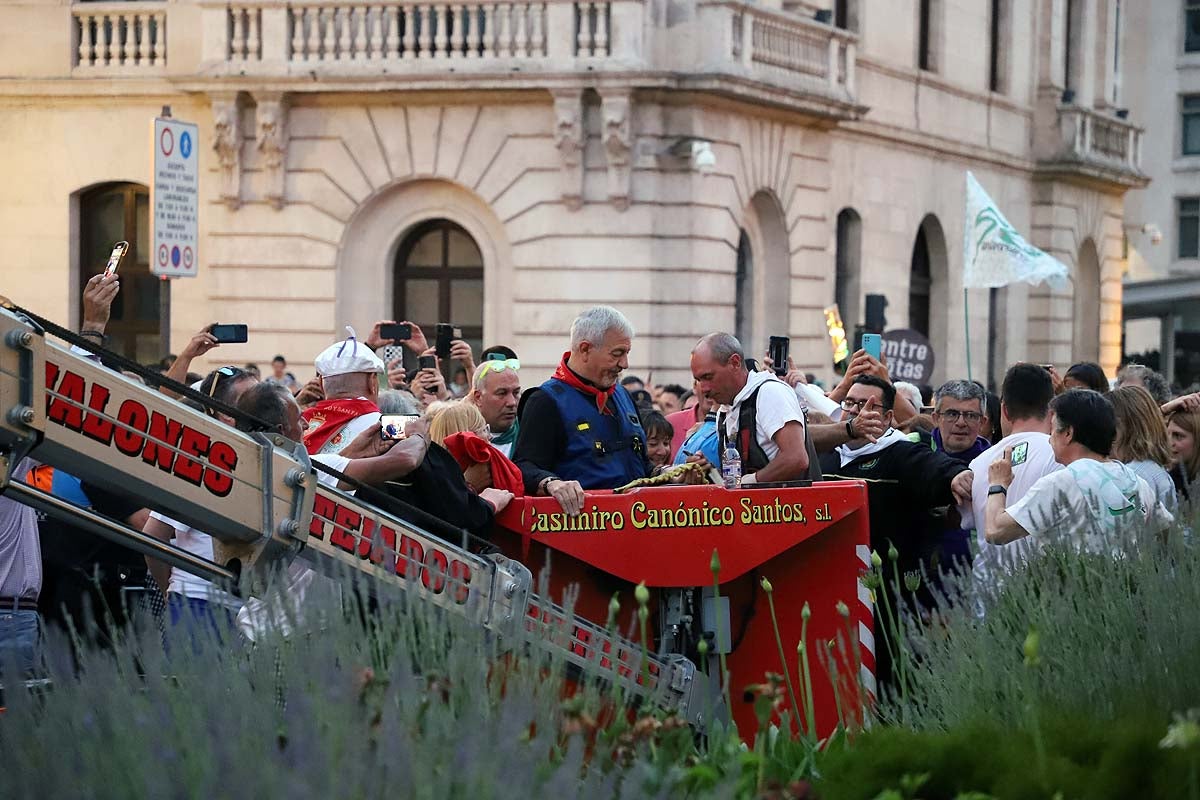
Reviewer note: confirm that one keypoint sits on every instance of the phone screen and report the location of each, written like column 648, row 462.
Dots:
column 872, row 344
column 396, row 332
column 391, row 426
column 445, row 336
column 778, row 351
column 115, row 257
column 1020, row 453
column 229, row 334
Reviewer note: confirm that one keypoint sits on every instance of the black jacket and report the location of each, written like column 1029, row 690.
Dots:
column 904, row 482
column 438, row 487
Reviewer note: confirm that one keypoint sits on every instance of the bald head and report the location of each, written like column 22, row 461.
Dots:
column 719, row 367
column 721, row 347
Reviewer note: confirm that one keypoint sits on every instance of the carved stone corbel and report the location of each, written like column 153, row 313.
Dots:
column 569, row 139
column 272, row 142
column 617, row 110
column 227, row 142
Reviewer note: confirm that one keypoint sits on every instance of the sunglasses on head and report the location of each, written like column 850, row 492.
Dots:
column 498, row 365
column 223, row 372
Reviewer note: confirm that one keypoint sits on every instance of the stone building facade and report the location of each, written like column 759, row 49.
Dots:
column 702, row 164
column 1162, row 307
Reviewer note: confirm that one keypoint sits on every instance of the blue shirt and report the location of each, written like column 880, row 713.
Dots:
column 705, row 440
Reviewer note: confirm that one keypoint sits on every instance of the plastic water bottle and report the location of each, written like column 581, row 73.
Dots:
column 731, row 467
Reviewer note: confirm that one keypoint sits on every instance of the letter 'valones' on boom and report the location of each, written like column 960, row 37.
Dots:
column 258, row 497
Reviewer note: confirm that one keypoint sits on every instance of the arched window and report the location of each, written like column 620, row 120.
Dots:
column 744, row 304
column 848, row 260
column 919, row 284
column 138, row 325
column 1086, row 326
column 439, row 278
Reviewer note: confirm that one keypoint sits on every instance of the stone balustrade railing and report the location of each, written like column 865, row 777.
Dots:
column 779, row 47
column 1091, row 136
column 119, row 38
column 481, row 35
column 355, row 40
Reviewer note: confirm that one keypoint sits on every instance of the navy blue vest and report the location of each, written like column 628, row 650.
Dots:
column 603, row 451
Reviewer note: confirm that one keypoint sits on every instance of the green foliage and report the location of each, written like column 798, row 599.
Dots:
column 1065, row 688
column 1084, row 635
column 371, row 702
column 988, row 759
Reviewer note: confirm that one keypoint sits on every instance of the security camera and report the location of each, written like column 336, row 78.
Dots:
column 703, row 157
column 1153, row 231
column 697, row 153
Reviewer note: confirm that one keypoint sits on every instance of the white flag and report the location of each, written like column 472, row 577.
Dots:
column 994, row 254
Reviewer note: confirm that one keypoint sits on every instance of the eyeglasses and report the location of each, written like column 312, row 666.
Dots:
column 855, row 405
column 954, row 415
column 496, row 365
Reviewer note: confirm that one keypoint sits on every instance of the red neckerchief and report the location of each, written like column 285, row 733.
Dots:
column 328, row 417
column 564, row 374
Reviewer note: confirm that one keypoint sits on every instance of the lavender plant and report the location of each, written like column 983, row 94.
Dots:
column 366, row 700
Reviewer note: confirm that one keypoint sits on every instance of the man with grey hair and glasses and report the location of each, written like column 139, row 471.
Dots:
column 960, row 414
column 580, row 429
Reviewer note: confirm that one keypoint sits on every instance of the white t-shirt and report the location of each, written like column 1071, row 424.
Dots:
column 285, row 604
column 776, row 406
column 1099, row 505
column 1039, row 462
column 1159, row 480
column 813, row 399
column 200, row 544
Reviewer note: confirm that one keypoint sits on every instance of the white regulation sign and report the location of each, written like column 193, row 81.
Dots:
column 175, row 199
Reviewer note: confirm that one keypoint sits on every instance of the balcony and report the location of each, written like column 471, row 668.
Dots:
column 777, row 49
column 113, row 39
column 1094, row 147
column 727, row 46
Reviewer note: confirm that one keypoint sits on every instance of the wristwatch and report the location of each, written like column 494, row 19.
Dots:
column 544, row 482
column 996, row 488
column 850, row 428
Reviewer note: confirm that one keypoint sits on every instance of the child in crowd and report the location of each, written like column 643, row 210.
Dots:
column 659, row 433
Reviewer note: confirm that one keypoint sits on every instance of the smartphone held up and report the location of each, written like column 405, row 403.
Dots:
column 872, row 345
column 230, row 334
column 777, row 350
column 446, row 334
column 391, row 426
column 396, row 331
column 115, row 258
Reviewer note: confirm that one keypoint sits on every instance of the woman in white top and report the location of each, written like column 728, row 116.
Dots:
column 1141, row 442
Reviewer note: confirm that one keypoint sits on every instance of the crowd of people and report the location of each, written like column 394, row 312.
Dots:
column 960, row 481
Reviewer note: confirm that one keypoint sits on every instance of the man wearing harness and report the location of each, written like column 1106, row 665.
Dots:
column 580, row 430
column 759, row 413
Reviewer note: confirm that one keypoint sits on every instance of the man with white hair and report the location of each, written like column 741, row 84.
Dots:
column 350, row 377
column 496, row 392
column 580, row 429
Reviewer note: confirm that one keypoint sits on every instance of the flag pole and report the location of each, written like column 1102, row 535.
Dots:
column 967, row 328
